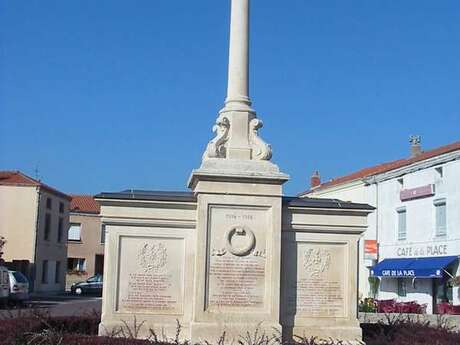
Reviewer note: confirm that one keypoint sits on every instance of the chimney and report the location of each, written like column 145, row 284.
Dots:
column 315, row 180
column 415, row 145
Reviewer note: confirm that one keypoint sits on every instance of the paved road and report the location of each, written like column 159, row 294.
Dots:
column 64, row 305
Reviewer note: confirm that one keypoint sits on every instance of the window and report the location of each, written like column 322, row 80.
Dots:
column 49, row 203
column 61, row 207
column 60, row 225
column 402, row 226
column 402, row 287
column 57, row 273
column 76, row 264
column 441, row 217
column 94, row 279
column 103, row 233
column 45, row 272
column 75, row 232
column 47, row 226
column 20, row 278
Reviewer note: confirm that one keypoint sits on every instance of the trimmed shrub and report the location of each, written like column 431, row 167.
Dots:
column 407, row 332
column 22, row 331
column 44, row 330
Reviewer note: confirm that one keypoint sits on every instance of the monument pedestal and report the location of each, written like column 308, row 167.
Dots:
column 320, row 268
column 238, row 248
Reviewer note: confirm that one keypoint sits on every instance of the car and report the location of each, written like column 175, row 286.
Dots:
column 19, row 287
column 4, row 285
column 91, row 286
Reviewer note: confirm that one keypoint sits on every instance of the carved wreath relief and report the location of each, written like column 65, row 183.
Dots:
column 316, row 262
column 152, row 258
column 245, row 250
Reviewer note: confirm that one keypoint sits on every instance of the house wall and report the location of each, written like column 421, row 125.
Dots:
column 18, row 217
column 384, row 194
column 89, row 246
column 20, row 206
column 52, row 250
column 421, row 224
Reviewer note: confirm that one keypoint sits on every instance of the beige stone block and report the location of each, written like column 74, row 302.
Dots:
column 149, row 276
column 320, row 286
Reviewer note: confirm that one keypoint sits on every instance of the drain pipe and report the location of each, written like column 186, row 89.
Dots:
column 37, row 227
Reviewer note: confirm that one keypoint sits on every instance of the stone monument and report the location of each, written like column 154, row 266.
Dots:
column 233, row 255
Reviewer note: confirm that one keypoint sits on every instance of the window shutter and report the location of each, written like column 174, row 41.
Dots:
column 441, row 219
column 402, row 231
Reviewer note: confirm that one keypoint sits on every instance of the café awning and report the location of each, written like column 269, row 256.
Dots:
column 432, row 267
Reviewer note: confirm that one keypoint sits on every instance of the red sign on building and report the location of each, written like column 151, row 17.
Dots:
column 370, row 249
column 415, row 193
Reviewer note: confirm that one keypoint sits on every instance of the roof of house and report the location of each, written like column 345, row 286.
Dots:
column 84, row 204
column 17, row 178
column 190, row 197
column 385, row 167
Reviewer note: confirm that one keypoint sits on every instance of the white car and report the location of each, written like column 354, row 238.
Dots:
column 4, row 285
column 19, row 287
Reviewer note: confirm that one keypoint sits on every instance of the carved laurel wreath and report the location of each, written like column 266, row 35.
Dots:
column 241, row 231
column 153, row 257
column 316, row 262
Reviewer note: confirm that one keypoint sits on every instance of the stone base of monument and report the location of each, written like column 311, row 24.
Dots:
column 230, row 263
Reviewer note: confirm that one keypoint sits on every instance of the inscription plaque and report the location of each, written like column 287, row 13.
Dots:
column 317, row 288
column 151, row 275
column 237, row 258
column 237, row 281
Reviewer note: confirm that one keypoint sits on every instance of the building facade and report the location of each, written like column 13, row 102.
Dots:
column 416, row 225
column 86, row 238
column 33, row 219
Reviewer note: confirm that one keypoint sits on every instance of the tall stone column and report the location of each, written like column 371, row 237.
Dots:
column 239, row 208
column 237, row 126
column 238, row 66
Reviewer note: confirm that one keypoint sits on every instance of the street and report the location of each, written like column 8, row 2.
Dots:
column 60, row 305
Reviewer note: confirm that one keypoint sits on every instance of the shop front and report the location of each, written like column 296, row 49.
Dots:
column 429, row 281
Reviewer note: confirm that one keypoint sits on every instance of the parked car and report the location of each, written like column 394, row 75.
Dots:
column 91, row 286
column 4, row 285
column 19, row 287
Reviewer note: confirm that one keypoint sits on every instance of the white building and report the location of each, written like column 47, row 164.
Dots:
column 416, row 224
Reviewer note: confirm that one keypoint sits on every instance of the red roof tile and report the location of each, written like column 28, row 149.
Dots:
column 84, row 204
column 17, row 178
column 385, row 167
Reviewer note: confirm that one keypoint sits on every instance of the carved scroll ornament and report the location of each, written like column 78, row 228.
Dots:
column 260, row 149
column 217, row 147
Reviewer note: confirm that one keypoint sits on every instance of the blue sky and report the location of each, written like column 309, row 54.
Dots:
column 109, row 94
